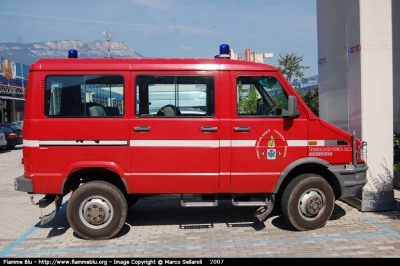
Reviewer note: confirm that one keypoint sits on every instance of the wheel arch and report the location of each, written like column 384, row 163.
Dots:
column 308, row 165
column 95, row 171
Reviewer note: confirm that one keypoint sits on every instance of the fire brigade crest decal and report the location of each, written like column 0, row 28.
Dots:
column 271, row 152
column 271, row 146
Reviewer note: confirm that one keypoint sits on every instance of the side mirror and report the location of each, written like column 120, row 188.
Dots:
column 292, row 107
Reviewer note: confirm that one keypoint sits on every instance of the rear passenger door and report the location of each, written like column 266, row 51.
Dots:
column 174, row 134
column 82, row 123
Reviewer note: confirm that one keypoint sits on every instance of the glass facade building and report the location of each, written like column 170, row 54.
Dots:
column 13, row 84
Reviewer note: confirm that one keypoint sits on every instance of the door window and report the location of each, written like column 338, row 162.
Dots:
column 260, row 96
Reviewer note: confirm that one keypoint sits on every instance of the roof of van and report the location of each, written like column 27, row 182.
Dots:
column 105, row 64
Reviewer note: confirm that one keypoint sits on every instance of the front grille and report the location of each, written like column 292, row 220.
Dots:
column 336, row 143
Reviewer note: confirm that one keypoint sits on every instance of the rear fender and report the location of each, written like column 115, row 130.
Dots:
column 82, row 166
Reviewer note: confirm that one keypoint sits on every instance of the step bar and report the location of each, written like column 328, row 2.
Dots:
column 202, row 203
column 214, row 202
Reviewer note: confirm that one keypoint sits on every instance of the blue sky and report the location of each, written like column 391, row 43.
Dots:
column 171, row 28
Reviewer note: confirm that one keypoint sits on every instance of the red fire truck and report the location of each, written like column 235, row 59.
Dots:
column 112, row 131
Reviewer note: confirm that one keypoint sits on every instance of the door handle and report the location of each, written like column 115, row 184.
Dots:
column 209, row 129
column 241, row 129
column 142, row 129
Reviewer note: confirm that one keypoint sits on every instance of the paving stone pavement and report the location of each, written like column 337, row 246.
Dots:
column 158, row 227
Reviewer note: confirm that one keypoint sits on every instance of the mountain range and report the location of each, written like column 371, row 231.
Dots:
column 27, row 54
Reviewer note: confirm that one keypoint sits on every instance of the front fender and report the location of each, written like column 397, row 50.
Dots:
column 297, row 163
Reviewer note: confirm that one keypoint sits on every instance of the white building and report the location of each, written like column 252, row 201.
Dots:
column 359, row 85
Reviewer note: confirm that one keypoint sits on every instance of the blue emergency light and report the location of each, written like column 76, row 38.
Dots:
column 224, row 51
column 72, row 53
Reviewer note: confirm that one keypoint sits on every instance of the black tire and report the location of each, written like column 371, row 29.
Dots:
column 307, row 202
column 10, row 147
column 97, row 210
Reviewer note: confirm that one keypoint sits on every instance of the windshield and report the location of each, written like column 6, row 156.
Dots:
column 15, row 127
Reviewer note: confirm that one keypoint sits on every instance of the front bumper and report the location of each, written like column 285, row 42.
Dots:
column 351, row 181
column 23, row 184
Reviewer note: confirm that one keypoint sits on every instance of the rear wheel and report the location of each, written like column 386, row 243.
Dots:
column 97, row 210
column 307, row 202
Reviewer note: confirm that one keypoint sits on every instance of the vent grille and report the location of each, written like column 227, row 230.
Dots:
column 41, row 109
column 336, row 143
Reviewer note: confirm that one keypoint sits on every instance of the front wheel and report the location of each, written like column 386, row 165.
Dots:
column 307, row 202
column 97, row 210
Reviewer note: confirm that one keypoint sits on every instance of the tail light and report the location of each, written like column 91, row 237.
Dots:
column 12, row 136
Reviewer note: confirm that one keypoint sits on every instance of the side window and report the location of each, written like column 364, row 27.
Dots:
column 84, row 96
column 260, row 96
column 174, row 96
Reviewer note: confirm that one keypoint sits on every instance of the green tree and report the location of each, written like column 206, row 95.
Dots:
column 311, row 98
column 247, row 100
column 396, row 152
column 290, row 67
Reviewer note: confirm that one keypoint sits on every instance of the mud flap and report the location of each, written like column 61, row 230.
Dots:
column 263, row 212
column 47, row 218
column 44, row 203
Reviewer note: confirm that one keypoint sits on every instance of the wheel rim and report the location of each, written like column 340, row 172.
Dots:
column 96, row 212
column 312, row 204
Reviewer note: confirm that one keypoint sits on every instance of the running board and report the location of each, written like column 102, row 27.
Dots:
column 188, row 203
column 265, row 207
column 249, row 203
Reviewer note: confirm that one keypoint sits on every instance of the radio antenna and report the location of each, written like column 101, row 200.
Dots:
column 108, row 37
column 229, row 38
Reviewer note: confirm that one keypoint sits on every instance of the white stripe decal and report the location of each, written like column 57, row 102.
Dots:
column 319, row 142
column 163, row 143
column 37, row 143
column 30, row 143
column 82, row 142
column 225, row 143
column 243, row 143
column 297, row 143
column 193, row 143
column 174, row 143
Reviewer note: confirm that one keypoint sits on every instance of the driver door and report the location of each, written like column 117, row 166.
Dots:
column 263, row 137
